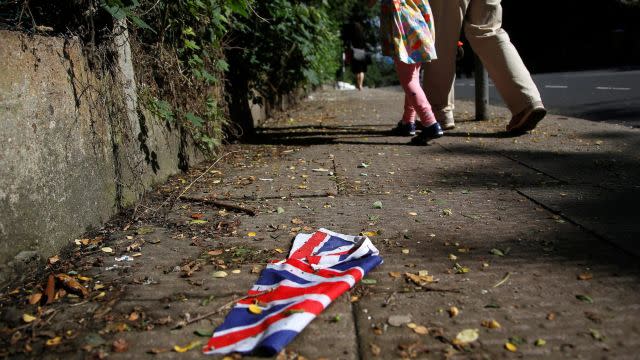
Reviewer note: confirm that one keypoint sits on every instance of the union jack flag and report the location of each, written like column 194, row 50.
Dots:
column 290, row 293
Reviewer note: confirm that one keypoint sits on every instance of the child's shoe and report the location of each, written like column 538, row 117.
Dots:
column 404, row 129
column 429, row 133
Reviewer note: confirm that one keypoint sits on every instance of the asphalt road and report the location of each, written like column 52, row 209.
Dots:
column 607, row 95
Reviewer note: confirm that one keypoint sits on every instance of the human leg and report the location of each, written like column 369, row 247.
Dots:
column 359, row 80
column 439, row 75
column 415, row 98
column 483, row 29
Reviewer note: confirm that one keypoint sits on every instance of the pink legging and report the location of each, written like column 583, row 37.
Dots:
column 415, row 101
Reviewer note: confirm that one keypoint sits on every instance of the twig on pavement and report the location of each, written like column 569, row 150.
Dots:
column 220, row 204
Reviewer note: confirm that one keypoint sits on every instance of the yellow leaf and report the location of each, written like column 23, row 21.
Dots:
column 28, row 318
column 184, row 349
column 55, row 341
column 466, row 336
column 369, row 233
column 98, row 287
column 108, row 250
column 35, row 298
column 511, row 347
column 421, row 330
column 84, row 278
column 279, row 251
column 491, row 324
column 252, row 234
column 255, row 309
column 453, row 311
column 412, row 325
column 413, row 213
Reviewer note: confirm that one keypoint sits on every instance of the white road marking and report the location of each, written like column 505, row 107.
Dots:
column 612, row 88
column 556, row 86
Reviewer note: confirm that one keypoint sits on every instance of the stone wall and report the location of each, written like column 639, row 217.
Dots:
column 71, row 154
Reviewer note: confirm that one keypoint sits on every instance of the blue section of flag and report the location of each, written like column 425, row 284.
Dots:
column 272, row 276
column 333, row 243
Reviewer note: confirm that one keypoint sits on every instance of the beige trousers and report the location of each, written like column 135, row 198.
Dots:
column 482, row 22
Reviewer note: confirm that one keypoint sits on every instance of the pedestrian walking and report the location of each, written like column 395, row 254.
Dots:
column 357, row 54
column 481, row 21
column 408, row 36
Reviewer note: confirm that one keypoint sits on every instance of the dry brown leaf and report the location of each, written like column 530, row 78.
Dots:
column 551, row 316
column 50, row 290
column 491, row 324
column 421, row 330
column 197, row 216
column 419, row 280
column 215, row 252
column 134, row 316
column 395, row 274
column 585, row 276
column 120, row 345
column 54, row 259
column 375, row 349
column 453, row 311
column 72, row 285
column 35, row 298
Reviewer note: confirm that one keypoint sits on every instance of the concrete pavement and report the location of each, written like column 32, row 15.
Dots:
column 537, row 232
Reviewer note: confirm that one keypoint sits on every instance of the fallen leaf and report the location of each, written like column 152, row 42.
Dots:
column 466, row 336
column 363, row 165
column 447, row 212
column 120, row 345
column 540, row 342
column 279, row 210
column 585, row 298
column 369, row 233
column 203, row 333
column 511, row 347
column 453, row 311
column 108, row 250
column 419, row 280
column 585, row 276
column 256, row 269
column 28, row 318
column 54, row 341
column 72, row 285
column 297, row 221
column 54, row 259
column 197, row 216
column 453, row 257
column 405, row 251
column 459, row 269
column 412, row 325
column 50, row 290
column 134, row 316
column 145, row 230
column 394, row 274
column 255, row 309
column 198, row 222
column 369, row 281
column 377, row 205
column 251, row 234
column 596, row 335
column 491, row 324
column 413, row 213
column 184, row 349
column 35, row 298
column 220, row 274
column 551, row 316
column 279, row 251
column 375, row 349
column 421, row 330
column 497, row 252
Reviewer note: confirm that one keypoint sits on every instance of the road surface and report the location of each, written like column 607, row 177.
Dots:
column 607, row 95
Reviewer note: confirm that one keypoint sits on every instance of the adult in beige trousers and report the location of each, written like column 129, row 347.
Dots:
column 482, row 23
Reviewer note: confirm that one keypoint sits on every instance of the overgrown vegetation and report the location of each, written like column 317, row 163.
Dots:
column 195, row 58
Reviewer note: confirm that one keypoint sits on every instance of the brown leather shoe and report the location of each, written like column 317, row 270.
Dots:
column 527, row 119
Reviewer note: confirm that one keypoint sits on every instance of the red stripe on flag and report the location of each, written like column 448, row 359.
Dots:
column 305, row 250
column 309, row 306
column 330, row 289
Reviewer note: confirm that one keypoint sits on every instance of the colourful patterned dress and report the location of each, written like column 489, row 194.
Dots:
column 407, row 30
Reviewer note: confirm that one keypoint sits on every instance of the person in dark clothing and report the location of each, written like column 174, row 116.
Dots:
column 354, row 37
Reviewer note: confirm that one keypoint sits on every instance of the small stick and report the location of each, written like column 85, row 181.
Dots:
column 219, row 310
column 220, row 204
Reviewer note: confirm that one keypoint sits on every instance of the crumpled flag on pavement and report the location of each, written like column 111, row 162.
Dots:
column 292, row 292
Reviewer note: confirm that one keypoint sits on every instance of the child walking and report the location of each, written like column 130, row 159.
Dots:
column 408, row 35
